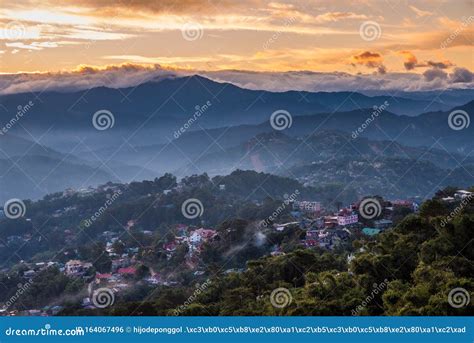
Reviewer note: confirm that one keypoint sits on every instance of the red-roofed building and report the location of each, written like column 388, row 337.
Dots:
column 127, row 271
column 171, row 246
column 104, row 276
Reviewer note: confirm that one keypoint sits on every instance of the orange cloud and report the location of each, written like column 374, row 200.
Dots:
column 370, row 60
column 411, row 62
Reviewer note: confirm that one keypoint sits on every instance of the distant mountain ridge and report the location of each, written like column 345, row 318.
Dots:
column 233, row 130
column 152, row 111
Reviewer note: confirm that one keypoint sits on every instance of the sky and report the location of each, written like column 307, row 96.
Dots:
column 379, row 38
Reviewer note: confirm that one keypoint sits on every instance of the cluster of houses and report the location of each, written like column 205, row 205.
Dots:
column 329, row 230
column 194, row 238
column 460, row 195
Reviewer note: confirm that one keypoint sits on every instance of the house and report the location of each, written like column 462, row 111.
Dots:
column 463, row 194
column 382, row 223
column 85, row 192
column 171, row 246
column 133, row 250
column 330, row 222
column 131, row 223
column 347, row 220
column 34, row 313
column 369, row 231
column 201, row 235
column 154, row 280
column 76, row 267
column 29, row 274
column 308, row 206
column 105, row 276
column 401, row 203
column 120, row 263
column 342, row 234
column 129, row 271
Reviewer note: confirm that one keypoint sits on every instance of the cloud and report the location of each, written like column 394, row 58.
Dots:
column 85, row 77
column 336, row 16
column 461, row 75
column 420, row 13
column 440, row 65
column 130, row 75
column 33, row 45
column 370, row 60
column 141, row 8
column 435, row 73
column 411, row 62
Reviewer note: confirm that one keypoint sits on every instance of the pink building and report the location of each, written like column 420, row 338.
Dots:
column 347, row 219
column 309, row 206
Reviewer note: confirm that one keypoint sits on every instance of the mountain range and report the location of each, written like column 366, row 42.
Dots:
column 54, row 145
